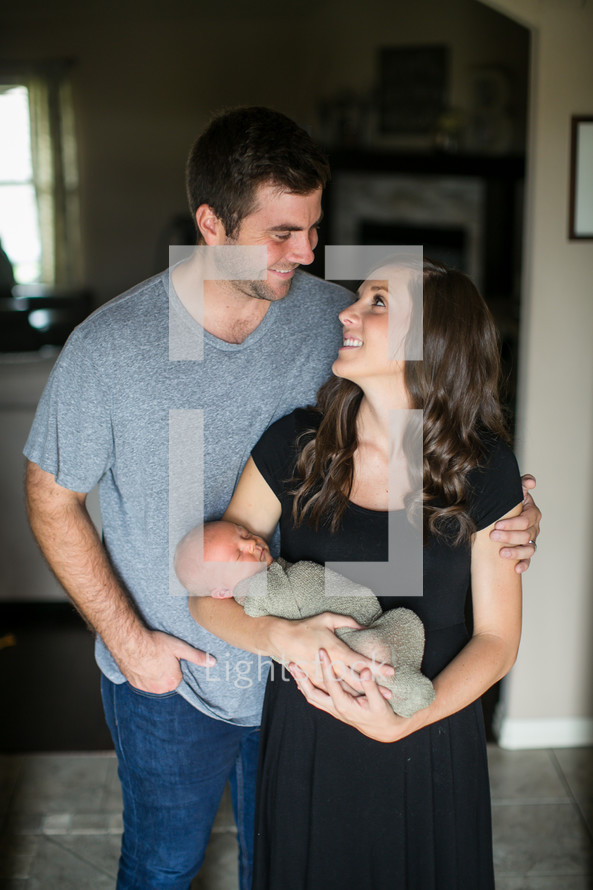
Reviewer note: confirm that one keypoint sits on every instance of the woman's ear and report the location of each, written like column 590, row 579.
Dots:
column 209, row 225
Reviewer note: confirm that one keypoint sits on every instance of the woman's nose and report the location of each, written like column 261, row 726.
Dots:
column 349, row 314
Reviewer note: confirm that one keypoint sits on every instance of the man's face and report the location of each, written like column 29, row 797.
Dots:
column 286, row 224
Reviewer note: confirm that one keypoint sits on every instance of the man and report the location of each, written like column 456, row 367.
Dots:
column 182, row 726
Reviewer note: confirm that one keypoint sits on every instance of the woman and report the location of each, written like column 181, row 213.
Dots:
column 350, row 794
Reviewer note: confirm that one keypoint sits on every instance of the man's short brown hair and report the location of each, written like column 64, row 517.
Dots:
column 244, row 148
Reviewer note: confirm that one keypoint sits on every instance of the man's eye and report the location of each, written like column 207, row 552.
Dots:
column 282, row 236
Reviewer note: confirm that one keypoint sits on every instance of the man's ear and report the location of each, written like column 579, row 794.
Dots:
column 209, row 225
column 221, row 593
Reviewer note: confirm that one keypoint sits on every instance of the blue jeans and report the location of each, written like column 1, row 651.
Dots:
column 174, row 763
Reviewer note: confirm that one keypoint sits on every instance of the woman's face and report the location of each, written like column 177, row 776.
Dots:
column 375, row 327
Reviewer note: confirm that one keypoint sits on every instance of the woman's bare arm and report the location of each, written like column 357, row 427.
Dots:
column 255, row 506
column 488, row 656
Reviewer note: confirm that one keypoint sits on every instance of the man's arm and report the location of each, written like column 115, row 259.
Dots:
column 519, row 533
column 69, row 541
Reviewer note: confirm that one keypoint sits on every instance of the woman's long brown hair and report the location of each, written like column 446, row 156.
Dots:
column 456, row 386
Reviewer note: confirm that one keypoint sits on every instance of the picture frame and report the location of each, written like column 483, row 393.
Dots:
column 580, row 224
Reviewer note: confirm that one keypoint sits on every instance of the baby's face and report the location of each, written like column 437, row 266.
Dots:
column 242, row 553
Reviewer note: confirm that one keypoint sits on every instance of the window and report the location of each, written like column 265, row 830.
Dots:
column 38, row 175
column 19, row 214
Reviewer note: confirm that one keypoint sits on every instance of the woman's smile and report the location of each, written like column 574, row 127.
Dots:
column 351, row 343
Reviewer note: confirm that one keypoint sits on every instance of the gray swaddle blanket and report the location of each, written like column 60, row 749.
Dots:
column 297, row 590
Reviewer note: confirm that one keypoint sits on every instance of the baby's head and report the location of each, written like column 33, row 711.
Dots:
column 230, row 554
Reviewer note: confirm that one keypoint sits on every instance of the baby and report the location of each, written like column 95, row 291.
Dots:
column 232, row 556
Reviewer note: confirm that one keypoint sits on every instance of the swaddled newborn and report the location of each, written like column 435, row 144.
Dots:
column 232, row 558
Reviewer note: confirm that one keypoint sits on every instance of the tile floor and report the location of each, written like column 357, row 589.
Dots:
column 61, row 823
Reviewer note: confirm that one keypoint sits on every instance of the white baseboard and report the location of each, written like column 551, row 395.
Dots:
column 560, row 732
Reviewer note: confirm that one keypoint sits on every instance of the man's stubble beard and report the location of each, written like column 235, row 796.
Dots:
column 258, row 289
column 261, row 290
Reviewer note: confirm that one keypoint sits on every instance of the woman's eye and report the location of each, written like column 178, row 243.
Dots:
column 379, row 301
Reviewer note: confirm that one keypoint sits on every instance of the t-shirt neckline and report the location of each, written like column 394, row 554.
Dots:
column 195, row 327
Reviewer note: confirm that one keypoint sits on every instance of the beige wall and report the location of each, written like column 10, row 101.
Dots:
column 148, row 74
column 549, row 696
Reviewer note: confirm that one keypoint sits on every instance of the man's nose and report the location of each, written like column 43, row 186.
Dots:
column 303, row 246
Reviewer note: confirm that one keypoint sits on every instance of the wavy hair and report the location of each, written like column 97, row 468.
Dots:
column 457, row 387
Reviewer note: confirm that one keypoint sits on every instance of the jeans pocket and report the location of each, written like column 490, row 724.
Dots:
column 154, row 695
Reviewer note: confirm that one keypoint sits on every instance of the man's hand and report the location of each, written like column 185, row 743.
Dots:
column 520, row 533
column 155, row 666
column 148, row 659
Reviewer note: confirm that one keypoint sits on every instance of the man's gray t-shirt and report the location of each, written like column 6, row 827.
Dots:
column 105, row 418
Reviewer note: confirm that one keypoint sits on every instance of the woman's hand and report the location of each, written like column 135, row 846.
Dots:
column 369, row 713
column 300, row 642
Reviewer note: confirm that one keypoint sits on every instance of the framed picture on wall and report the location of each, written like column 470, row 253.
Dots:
column 580, row 225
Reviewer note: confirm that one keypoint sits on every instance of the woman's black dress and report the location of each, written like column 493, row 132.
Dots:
column 337, row 810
